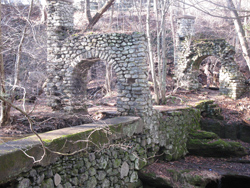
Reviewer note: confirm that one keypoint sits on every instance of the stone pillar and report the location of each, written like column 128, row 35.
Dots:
column 185, row 31
column 185, row 26
column 60, row 24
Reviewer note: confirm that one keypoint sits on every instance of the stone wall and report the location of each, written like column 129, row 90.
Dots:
column 70, row 55
column 190, row 54
column 174, row 128
column 116, row 150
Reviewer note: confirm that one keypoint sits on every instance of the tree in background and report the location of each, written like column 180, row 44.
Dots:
column 21, row 49
column 93, row 20
column 240, row 31
column 150, row 54
column 227, row 11
column 3, row 105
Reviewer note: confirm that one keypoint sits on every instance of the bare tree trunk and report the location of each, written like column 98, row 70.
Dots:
column 111, row 17
column 164, row 60
column 6, row 107
column 98, row 15
column 140, row 17
column 108, row 78
column 87, row 10
column 158, row 40
column 172, row 27
column 240, row 32
column 4, row 117
column 151, row 62
column 236, row 41
column 44, row 13
column 19, row 50
column 245, row 23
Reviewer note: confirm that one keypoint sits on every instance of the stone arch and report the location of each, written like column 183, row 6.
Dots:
column 127, row 55
column 190, row 54
column 125, row 52
column 80, row 65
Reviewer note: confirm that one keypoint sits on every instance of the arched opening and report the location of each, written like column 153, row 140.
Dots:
column 94, row 83
column 231, row 80
column 209, row 71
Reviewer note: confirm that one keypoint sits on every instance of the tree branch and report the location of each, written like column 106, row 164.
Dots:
column 98, row 15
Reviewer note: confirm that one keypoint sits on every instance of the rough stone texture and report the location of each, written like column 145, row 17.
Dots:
column 190, row 54
column 124, row 170
column 174, row 130
column 71, row 55
column 57, row 179
column 24, row 183
column 177, row 177
column 208, row 144
column 122, row 152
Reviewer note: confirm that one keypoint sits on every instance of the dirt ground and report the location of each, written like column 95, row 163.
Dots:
column 46, row 119
column 202, row 166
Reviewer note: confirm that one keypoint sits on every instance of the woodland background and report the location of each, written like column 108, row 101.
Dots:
column 23, row 43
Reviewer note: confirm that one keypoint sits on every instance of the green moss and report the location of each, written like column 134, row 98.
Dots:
column 185, row 171
column 203, row 135
column 116, row 128
column 46, row 141
column 142, row 163
column 202, row 105
column 168, row 157
column 215, row 148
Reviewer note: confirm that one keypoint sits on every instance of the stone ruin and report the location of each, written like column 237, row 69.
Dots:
column 70, row 56
column 190, row 53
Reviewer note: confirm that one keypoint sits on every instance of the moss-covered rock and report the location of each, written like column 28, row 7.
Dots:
column 213, row 125
column 215, row 148
column 203, row 135
column 188, row 178
column 154, row 180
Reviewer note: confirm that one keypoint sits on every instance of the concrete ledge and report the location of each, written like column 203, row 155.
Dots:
column 13, row 161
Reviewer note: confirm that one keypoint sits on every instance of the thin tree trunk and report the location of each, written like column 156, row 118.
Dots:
column 151, row 62
column 43, row 12
column 164, row 60
column 87, row 10
column 111, row 17
column 172, row 28
column 108, row 78
column 236, row 35
column 6, row 107
column 19, row 50
column 245, row 23
column 158, row 41
column 4, row 116
column 240, row 32
column 140, row 17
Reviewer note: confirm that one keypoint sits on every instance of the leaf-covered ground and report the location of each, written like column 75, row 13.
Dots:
column 47, row 119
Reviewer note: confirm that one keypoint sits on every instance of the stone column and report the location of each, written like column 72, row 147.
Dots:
column 60, row 24
column 185, row 31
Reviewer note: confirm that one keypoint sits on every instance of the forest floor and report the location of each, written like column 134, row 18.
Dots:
column 46, row 120
column 212, row 169
column 105, row 107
